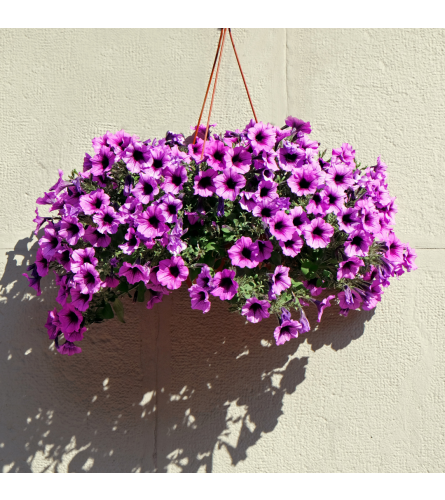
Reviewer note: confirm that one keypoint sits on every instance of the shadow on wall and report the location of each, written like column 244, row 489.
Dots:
column 162, row 392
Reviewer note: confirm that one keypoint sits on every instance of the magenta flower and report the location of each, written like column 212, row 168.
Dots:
column 107, row 220
column 345, row 154
column 42, row 264
column 172, row 272
column 63, row 257
column 204, row 183
column 170, row 207
column 87, row 279
column 293, row 246
column 229, row 184
column 134, row 273
column 395, row 248
column 34, row 282
column 267, row 191
column 304, row 181
column 69, row 349
column 291, row 156
column 50, row 243
column 349, row 268
column 350, row 299
column 47, row 199
column 71, row 230
column 280, row 279
column 155, row 298
column 102, row 161
column 358, row 243
column 335, row 199
column 82, row 256
column 262, row 137
column 238, row 159
column 265, row 209
column 174, row 179
column 111, row 281
column 215, row 153
column 81, row 301
column 370, row 220
column 287, row 330
column 151, row 222
column 263, row 251
column 70, row 320
column 318, row 205
column 281, row 226
column 299, row 219
column 137, row 156
column 255, row 310
column 204, row 279
column 119, row 142
column 340, row 175
column 409, row 258
column 321, row 305
column 53, row 324
column 225, row 287
column 242, row 253
column 195, row 150
column 146, row 189
column 200, row 298
column 318, row 233
column 130, row 210
column 348, row 220
column 161, row 159
column 92, row 202
column 300, row 126
column 132, row 243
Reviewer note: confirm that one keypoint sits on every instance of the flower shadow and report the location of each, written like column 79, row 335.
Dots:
column 169, row 390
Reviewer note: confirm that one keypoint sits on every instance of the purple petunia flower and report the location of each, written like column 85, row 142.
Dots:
column 70, row 320
column 81, row 301
column 161, row 159
column 215, row 153
column 281, row 226
column 53, row 324
column 174, row 179
column 229, row 184
column 134, row 273
column 71, row 230
column 34, row 282
column 349, row 300
column 263, row 251
column 318, row 204
column 82, row 256
column 255, row 310
column 87, row 279
column 47, row 199
column 335, row 199
column 96, row 238
column 68, row 349
column 225, row 287
column 267, row 191
column 395, row 248
column 348, row 220
column 63, row 257
column 151, row 222
column 304, row 181
column 42, row 264
column 265, row 209
column 50, row 243
column 238, row 159
column 155, row 298
column 291, row 156
column 321, row 305
column 300, row 126
column 242, row 253
column 132, row 243
column 92, row 202
column 349, row 268
column 204, row 279
column 318, row 233
column 299, row 219
column 137, row 156
column 280, row 279
column 111, row 281
column 262, row 137
column 119, row 142
column 286, row 331
column 345, row 154
column 172, row 272
column 146, row 189
column 175, row 244
column 340, row 175
column 293, row 246
column 204, row 183
column 195, row 150
column 200, row 298
column 107, row 220
column 358, row 243
column 170, row 207
column 102, row 161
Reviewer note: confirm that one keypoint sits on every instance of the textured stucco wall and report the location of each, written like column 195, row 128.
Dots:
column 173, row 390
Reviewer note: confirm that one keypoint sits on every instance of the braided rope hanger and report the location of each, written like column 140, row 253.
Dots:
column 218, row 57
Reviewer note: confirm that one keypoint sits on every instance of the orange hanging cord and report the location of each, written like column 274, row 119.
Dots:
column 218, row 57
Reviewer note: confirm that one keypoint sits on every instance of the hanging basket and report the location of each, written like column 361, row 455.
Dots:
column 257, row 217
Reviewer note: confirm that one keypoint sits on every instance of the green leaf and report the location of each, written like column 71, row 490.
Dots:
column 123, row 287
column 217, row 264
column 275, row 258
column 226, row 229
column 105, row 312
column 305, row 270
column 141, row 291
column 193, row 273
column 119, row 310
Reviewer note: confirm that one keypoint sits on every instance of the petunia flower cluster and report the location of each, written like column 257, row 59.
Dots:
column 257, row 217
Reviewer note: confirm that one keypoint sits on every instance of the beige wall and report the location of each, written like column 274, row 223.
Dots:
column 173, row 390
